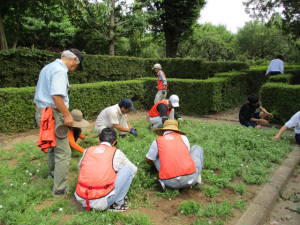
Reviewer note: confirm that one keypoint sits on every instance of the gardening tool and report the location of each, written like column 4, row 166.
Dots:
column 61, row 131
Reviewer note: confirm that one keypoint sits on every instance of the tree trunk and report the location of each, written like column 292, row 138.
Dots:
column 17, row 36
column 3, row 41
column 171, row 45
column 111, row 29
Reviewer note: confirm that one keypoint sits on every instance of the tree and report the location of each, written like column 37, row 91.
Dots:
column 264, row 8
column 208, row 42
column 174, row 19
column 258, row 41
column 103, row 17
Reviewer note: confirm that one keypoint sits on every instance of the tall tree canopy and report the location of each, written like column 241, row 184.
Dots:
column 264, row 8
column 173, row 18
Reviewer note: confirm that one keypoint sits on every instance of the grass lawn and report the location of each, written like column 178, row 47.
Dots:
column 234, row 157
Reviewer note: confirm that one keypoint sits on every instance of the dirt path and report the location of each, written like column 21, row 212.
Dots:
column 164, row 211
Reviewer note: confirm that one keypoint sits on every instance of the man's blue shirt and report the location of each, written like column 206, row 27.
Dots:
column 53, row 80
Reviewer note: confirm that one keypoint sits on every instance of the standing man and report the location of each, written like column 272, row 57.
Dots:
column 52, row 91
column 162, row 85
column 276, row 66
column 105, row 175
column 178, row 166
column 162, row 111
column 116, row 116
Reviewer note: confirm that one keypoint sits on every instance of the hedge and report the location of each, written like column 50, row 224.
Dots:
column 281, row 78
column 281, row 99
column 17, row 108
column 21, row 67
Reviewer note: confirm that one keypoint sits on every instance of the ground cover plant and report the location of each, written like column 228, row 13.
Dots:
column 235, row 157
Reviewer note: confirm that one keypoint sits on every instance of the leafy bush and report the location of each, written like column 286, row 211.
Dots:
column 281, row 78
column 21, row 67
column 281, row 99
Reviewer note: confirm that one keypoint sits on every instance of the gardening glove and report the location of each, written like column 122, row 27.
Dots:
column 163, row 91
column 180, row 119
column 133, row 131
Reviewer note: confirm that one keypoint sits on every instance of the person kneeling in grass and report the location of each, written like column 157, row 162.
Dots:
column 248, row 116
column 293, row 122
column 105, row 175
column 178, row 165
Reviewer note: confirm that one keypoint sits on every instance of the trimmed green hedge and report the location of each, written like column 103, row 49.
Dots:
column 21, row 67
column 281, row 78
column 281, row 99
column 17, row 108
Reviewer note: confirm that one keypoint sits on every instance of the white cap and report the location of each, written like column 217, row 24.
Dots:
column 157, row 66
column 174, row 99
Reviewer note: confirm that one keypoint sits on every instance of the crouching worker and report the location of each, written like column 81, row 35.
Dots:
column 178, row 165
column 248, row 116
column 105, row 175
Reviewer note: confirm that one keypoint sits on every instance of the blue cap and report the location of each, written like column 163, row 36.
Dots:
column 127, row 103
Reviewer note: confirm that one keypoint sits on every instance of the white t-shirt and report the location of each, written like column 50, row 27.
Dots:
column 153, row 151
column 276, row 65
column 109, row 116
column 294, row 122
column 119, row 161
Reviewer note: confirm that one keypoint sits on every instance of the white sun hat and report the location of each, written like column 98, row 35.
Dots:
column 174, row 99
column 157, row 66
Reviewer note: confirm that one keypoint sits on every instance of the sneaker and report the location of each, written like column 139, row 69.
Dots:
column 199, row 182
column 60, row 193
column 118, row 208
column 161, row 186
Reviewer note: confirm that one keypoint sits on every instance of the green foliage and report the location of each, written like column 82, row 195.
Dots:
column 20, row 68
column 208, row 42
column 189, row 207
column 286, row 102
column 226, row 158
column 281, row 78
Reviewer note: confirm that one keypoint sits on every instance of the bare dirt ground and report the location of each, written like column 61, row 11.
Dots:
column 164, row 211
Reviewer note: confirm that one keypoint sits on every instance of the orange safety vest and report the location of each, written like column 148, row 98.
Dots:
column 174, row 157
column 153, row 111
column 47, row 135
column 160, row 84
column 97, row 175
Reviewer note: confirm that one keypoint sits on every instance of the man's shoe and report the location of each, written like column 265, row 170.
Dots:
column 199, row 181
column 118, row 208
column 161, row 186
column 60, row 193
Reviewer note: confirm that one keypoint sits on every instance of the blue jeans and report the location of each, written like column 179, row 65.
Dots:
column 297, row 136
column 189, row 180
column 249, row 123
column 122, row 185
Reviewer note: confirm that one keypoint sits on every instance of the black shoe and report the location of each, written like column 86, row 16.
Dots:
column 60, row 193
column 122, row 135
column 161, row 186
column 118, row 208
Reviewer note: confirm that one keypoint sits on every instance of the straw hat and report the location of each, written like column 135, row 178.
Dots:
column 171, row 125
column 77, row 118
column 61, row 131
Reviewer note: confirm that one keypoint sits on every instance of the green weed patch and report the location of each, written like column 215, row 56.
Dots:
column 234, row 156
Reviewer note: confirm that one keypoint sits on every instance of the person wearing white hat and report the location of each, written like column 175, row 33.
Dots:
column 179, row 165
column 162, row 111
column 162, row 85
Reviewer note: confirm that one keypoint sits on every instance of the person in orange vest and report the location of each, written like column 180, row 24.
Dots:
column 105, row 175
column 162, row 111
column 162, row 84
column 75, row 131
column 179, row 165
